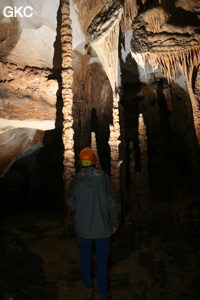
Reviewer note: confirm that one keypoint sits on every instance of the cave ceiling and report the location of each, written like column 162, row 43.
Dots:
column 126, row 42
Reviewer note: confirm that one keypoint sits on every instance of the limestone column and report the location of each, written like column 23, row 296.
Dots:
column 197, row 99
column 114, row 145
column 94, row 149
column 142, row 179
column 188, row 73
column 67, row 94
column 104, row 38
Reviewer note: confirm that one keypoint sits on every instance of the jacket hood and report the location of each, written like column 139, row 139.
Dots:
column 91, row 176
column 92, row 181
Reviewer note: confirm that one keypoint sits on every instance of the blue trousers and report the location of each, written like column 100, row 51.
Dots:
column 102, row 251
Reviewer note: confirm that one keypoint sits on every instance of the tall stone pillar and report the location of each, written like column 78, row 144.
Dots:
column 67, row 94
column 94, row 149
column 188, row 73
column 114, row 145
column 104, row 40
column 197, row 98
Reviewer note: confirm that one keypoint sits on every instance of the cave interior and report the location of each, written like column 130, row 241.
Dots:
column 134, row 95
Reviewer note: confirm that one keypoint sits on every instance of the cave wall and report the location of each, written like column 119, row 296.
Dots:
column 167, row 35
column 122, row 76
column 92, row 108
column 28, row 94
column 83, row 59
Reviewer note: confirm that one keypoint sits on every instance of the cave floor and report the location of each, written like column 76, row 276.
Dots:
column 38, row 261
column 150, row 259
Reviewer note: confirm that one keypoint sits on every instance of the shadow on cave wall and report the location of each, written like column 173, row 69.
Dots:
column 130, row 103
column 173, row 154
column 102, row 134
column 92, row 111
column 83, row 139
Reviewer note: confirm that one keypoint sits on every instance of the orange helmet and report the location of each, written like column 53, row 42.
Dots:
column 87, row 157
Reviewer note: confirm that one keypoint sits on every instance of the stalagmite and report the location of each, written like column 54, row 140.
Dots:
column 197, row 99
column 140, row 175
column 103, row 37
column 114, row 145
column 67, row 94
column 143, row 180
column 143, row 146
column 94, row 148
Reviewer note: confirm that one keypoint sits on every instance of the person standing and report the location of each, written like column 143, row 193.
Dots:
column 96, row 218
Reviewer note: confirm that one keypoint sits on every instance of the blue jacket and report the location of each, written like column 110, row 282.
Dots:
column 92, row 198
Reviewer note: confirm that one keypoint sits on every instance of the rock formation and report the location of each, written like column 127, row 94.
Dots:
column 122, row 76
column 83, row 56
column 28, row 95
column 167, row 36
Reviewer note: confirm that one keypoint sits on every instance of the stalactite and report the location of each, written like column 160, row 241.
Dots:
column 67, row 94
column 172, row 64
column 103, row 37
column 130, row 11
column 155, row 18
column 87, row 9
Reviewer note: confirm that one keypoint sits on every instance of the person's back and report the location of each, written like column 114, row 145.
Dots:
column 92, row 199
column 94, row 203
